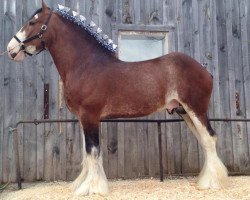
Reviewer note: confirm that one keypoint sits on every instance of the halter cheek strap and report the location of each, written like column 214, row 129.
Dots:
column 39, row 35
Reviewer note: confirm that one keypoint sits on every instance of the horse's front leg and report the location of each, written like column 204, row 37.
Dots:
column 92, row 179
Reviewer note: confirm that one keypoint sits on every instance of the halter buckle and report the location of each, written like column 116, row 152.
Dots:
column 22, row 46
column 44, row 27
column 40, row 35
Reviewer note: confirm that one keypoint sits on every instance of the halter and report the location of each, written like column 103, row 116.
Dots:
column 39, row 35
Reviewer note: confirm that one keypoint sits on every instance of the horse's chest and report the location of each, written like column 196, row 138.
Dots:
column 71, row 101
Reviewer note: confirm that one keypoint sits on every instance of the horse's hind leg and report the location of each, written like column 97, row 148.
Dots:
column 92, row 179
column 213, row 173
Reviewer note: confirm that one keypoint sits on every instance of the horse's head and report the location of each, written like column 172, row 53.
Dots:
column 31, row 38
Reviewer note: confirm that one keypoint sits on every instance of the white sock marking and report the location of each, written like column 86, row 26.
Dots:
column 92, row 179
column 213, row 174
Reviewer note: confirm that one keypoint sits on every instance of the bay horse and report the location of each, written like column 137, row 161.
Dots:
column 97, row 85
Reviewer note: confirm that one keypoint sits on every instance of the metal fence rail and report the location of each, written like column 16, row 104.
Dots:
column 158, row 121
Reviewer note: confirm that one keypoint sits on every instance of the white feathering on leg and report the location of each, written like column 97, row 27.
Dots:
column 94, row 181
column 213, row 174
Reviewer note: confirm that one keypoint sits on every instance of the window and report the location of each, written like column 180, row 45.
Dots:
column 138, row 46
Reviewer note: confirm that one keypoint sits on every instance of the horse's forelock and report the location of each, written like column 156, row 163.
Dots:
column 36, row 12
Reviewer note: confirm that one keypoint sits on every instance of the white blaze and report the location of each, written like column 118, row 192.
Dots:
column 14, row 47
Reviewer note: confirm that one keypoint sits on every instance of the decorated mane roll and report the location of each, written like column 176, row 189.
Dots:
column 91, row 28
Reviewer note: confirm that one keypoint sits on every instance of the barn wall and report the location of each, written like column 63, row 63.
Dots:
column 216, row 33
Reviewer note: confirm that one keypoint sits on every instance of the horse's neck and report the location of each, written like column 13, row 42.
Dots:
column 72, row 49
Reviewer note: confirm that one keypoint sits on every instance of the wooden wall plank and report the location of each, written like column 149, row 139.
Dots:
column 225, row 137
column 2, row 62
column 137, row 7
column 246, row 86
column 190, row 159
column 128, row 16
column 215, row 72
column 130, row 142
column 240, row 142
column 63, row 134
column 9, row 96
column 231, row 73
column 39, row 115
column 246, row 60
column 29, row 145
column 147, row 11
column 239, row 136
column 121, row 150
column 153, row 151
column 119, row 12
column 112, row 150
column 169, row 12
column 104, row 146
column 142, row 169
column 19, row 87
column 142, row 11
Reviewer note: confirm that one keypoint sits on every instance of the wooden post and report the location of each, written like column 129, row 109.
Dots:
column 160, row 151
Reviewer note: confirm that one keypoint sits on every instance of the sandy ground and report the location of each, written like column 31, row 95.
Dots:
column 181, row 188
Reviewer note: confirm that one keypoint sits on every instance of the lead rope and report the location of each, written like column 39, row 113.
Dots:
column 2, row 54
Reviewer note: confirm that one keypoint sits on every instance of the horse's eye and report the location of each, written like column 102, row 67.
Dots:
column 31, row 23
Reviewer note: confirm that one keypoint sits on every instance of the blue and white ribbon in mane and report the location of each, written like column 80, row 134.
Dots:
column 91, row 28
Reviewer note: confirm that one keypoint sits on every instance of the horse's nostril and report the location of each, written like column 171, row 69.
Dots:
column 13, row 55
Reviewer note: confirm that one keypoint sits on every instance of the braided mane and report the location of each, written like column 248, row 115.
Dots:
column 90, row 28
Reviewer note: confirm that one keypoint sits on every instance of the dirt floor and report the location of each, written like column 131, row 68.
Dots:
column 181, row 188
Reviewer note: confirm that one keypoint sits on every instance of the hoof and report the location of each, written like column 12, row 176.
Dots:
column 89, row 187
column 92, row 179
column 213, row 177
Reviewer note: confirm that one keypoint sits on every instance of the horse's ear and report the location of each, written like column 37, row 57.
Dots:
column 44, row 5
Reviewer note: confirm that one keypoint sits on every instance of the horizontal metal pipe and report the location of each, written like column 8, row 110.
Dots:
column 36, row 122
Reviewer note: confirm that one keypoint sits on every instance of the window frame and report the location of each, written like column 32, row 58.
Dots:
column 153, row 29
column 137, row 34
